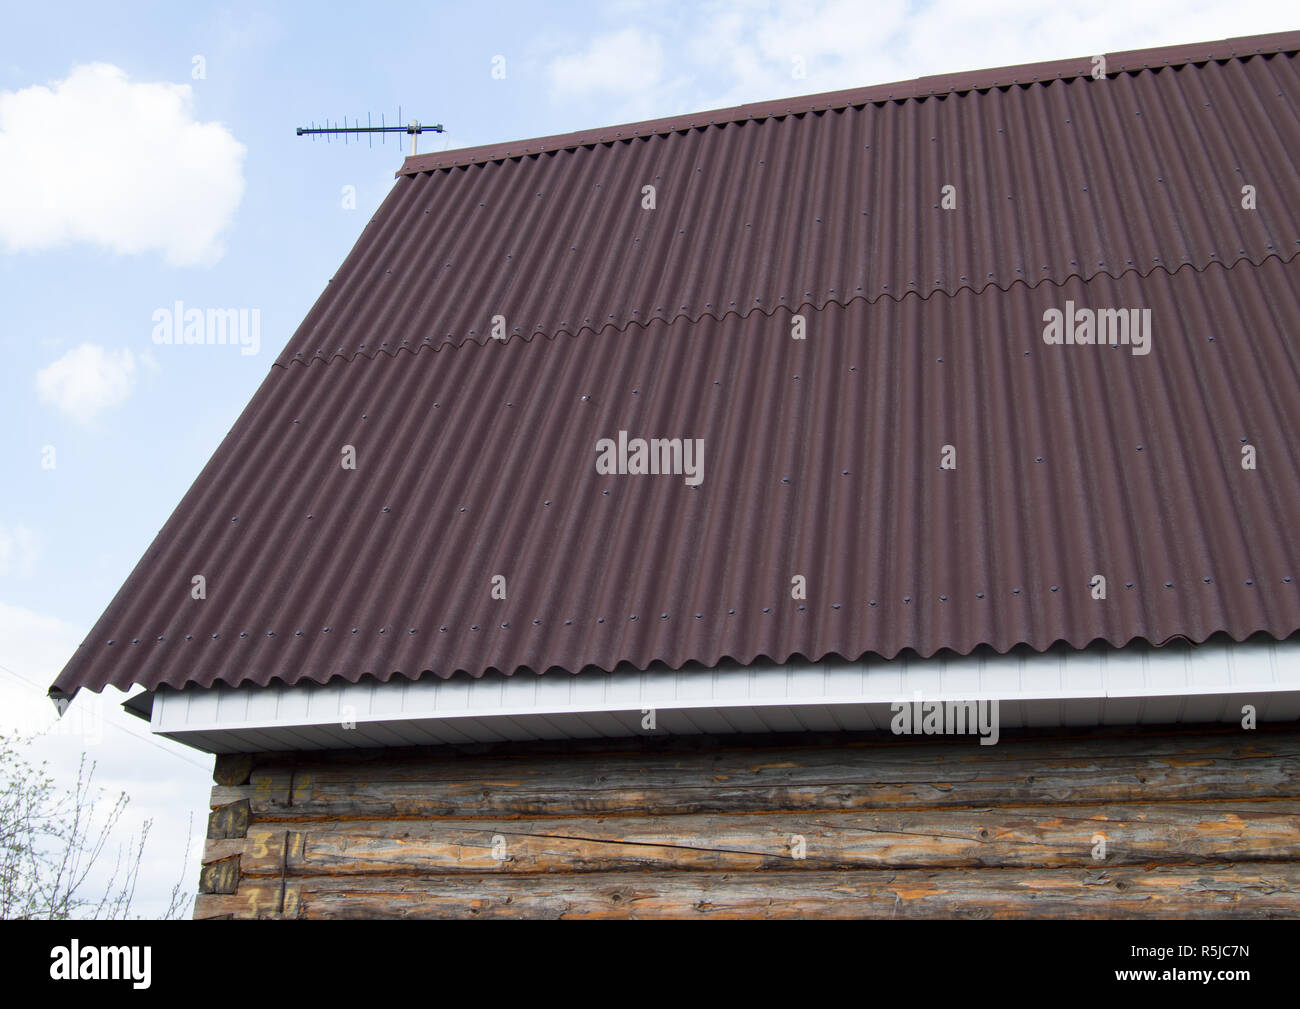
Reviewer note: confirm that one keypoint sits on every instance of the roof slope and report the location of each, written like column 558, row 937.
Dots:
column 476, row 458
column 1077, row 177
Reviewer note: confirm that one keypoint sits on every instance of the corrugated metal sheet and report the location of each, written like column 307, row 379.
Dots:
column 1072, row 178
column 822, row 455
column 821, row 459
column 1129, row 62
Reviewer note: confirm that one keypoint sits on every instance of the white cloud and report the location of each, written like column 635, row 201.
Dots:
column 35, row 646
column 622, row 63
column 17, row 550
column 86, row 380
column 97, row 158
column 699, row 56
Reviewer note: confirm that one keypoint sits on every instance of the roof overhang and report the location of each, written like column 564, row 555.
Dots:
column 1137, row 685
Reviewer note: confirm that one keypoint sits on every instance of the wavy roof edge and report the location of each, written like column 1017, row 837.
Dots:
column 1130, row 61
column 760, row 656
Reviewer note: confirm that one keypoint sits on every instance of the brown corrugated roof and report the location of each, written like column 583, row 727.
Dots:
column 822, row 456
column 1128, row 62
column 1073, row 178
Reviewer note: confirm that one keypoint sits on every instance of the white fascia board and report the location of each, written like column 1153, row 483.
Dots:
column 1132, row 686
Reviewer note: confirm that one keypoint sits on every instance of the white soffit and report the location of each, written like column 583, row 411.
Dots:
column 1138, row 685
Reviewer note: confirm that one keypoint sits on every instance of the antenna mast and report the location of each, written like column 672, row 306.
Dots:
column 414, row 128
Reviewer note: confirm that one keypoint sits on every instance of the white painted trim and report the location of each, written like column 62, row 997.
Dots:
column 1138, row 685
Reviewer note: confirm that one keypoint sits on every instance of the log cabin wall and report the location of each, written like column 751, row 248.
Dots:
column 1125, row 823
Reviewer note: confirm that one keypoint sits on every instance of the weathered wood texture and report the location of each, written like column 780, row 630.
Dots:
column 1220, row 891
column 1177, row 825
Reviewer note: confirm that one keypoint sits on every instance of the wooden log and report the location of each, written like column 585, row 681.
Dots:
column 262, row 852
column 232, row 768
column 230, row 820
column 220, row 877
column 253, row 899
column 1180, row 892
column 1055, row 836
column 1204, row 825
column 847, row 778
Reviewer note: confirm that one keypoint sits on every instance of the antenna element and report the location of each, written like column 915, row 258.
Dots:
column 414, row 128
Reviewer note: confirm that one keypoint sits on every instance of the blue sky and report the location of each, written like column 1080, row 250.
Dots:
column 129, row 182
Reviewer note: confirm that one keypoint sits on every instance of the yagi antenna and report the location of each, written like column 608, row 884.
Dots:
column 414, row 128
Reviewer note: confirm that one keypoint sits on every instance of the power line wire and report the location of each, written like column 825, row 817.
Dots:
column 120, row 728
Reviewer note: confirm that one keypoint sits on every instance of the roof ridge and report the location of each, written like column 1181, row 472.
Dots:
column 573, row 333
column 1131, row 61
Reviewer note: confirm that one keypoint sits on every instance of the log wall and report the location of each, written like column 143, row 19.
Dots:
column 1175, row 825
